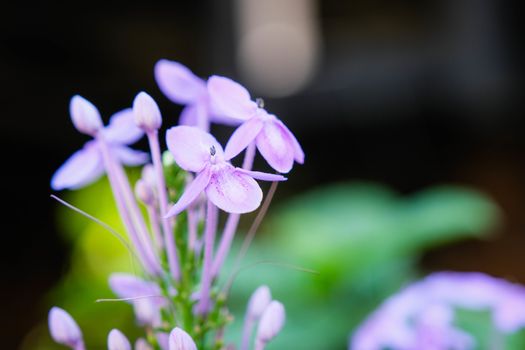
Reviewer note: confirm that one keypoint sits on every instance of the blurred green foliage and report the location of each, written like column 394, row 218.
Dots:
column 363, row 240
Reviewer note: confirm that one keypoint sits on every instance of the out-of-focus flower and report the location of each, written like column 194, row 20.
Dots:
column 422, row 314
column 181, row 86
column 86, row 165
column 118, row 341
column 273, row 139
column 232, row 189
column 64, row 330
column 180, row 340
column 271, row 323
column 258, row 302
column 142, row 344
column 146, row 112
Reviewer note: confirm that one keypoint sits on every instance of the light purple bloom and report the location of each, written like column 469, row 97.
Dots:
column 232, row 189
column 127, row 286
column 64, row 330
column 142, row 344
column 180, row 340
column 271, row 323
column 147, row 312
column 118, row 341
column 273, row 139
column 181, row 86
column 259, row 301
column 86, row 165
column 422, row 314
column 146, row 112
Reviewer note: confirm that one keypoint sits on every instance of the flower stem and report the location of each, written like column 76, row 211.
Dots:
column 169, row 239
column 246, row 333
column 212, row 214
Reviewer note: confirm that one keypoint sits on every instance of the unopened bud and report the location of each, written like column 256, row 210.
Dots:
column 85, row 116
column 63, row 328
column 180, row 340
column 142, row 344
column 272, row 321
column 144, row 192
column 118, row 341
column 259, row 301
column 147, row 113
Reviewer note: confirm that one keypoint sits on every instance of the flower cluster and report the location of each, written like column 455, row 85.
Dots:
column 421, row 316
column 177, row 299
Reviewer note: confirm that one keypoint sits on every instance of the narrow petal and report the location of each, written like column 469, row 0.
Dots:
column 297, row 150
column 178, row 83
column 195, row 115
column 180, row 340
column 191, row 146
column 242, row 137
column 129, row 156
column 122, row 128
column 128, row 286
column 230, row 99
column 82, row 168
column 233, row 191
column 275, row 146
column 118, row 341
column 262, row 176
column 191, row 192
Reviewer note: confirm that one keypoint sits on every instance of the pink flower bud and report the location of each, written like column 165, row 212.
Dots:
column 85, row 116
column 144, row 192
column 147, row 113
column 180, row 340
column 272, row 321
column 118, row 341
column 259, row 301
column 142, row 344
column 63, row 328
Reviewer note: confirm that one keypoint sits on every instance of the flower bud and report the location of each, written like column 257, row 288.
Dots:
column 85, row 116
column 142, row 344
column 118, row 341
column 180, row 340
column 258, row 302
column 272, row 321
column 63, row 328
column 149, row 176
column 147, row 113
column 144, row 192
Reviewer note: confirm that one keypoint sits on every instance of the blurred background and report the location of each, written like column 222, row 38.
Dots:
column 410, row 114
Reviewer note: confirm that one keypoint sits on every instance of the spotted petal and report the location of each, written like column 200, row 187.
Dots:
column 234, row 191
column 242, row 137
column 82, row 168
column 191, row 192
column 230, row 99
column 191, row 147
column 178, row 83
column 122, row 128
column 276, row 147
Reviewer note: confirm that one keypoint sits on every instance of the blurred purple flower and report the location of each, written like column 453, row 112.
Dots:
column 273, row 139
column 64, row 330
column 232, row 189
column 181, row 86
column 118, row 341
column 180, row 340
column 86, row 165
column 271, row 323
column 421, row 316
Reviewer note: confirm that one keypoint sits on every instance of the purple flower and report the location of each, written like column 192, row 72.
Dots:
column 127, row 286
column 86, row 165
column 118, row 341
column 64, row 330
column 180, row 340
column 271, row 323
column 232, row 189
column 181, row 86
column 421, row 316
column 274, row 141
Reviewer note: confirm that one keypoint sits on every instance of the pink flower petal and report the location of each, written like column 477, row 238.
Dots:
column 191, row 146
column 195, row 115
column 275, row 146
column 242, row 137
column 233, row 191
column 82, row 168
column 128, row 156
column 178, row 83
column 262, row 176
column 122, row 128
column 191, row 192
column 230, row 99
column 297, row 150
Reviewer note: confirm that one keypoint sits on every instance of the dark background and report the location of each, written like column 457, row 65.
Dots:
column 407, row 93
